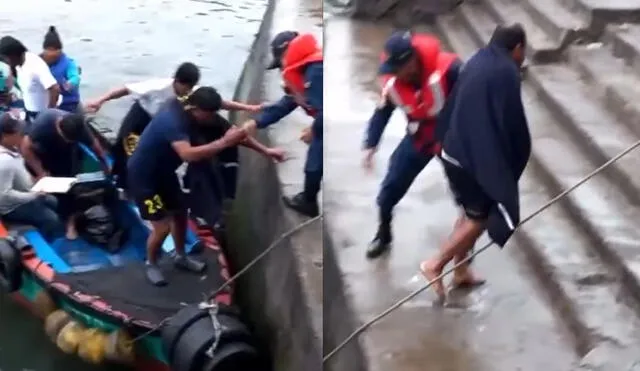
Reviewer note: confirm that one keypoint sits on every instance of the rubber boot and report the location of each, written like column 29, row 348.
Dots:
column 303, row 205
column 382, row 240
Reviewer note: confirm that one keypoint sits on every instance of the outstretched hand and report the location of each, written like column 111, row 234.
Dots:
column 277, row 154
column 368, row 160
column 306, row 135
column 92, row 106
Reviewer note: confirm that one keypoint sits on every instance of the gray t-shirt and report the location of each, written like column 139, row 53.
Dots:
column 15, row 181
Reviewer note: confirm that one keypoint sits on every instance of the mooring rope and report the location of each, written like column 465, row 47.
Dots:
column 242, row 271
column 395, row 306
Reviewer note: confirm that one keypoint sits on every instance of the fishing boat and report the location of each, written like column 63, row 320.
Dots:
column 96, row 303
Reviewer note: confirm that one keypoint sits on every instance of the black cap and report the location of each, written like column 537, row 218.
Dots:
column 398, row 50
column 205, row 98
column 279, row 45
column 52, row 39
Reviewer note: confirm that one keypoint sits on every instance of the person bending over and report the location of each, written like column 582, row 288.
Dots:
column 164, row 145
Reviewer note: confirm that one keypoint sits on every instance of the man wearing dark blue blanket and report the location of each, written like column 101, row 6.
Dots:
column 485, row 149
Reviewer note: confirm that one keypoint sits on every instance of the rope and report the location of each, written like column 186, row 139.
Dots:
column 233, row 278
column 395, row 306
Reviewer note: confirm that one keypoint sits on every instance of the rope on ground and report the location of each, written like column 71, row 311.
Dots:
column 246, row 268
column 395, row 306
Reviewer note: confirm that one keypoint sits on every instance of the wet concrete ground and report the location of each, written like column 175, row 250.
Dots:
column 503, row 326
column 116, row 42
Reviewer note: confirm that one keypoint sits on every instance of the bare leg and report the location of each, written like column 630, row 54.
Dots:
column 460, row 243
column 159, row 231
column 71, row 230
column 179, row 232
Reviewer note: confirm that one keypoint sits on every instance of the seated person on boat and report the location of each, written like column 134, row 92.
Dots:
column 18, row 204
column 164, row 145
column 63, row 68
column 50, row 146
column 150, row 96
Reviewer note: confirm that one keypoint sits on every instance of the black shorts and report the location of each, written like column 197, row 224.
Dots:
column 159, row 199
column 467, row 192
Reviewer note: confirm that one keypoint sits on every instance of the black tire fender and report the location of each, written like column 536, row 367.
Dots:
column 177, row 325
column 234, row 356
column 10, row 266
column 182, row 320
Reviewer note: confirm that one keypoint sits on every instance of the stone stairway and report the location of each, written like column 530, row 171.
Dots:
column 581, row 94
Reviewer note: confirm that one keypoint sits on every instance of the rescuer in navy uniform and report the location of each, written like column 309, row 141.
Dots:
column 485, row 150
column 299, row 57
column 416, row 77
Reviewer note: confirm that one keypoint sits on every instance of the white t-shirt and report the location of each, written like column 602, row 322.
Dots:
column 34, row 79
column 152, row 94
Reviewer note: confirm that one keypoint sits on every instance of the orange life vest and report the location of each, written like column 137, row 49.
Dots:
column 422, row 105
column 301, row 51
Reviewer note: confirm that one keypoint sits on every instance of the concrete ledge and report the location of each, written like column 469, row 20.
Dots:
column 404, row 13
column 278, row 294
column 339, row 318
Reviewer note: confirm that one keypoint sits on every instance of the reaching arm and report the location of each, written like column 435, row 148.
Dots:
column 26, row 148
column 254, row 144
column 73, row 74
column 231, row 105
column 113, row 94
column 377, row 123
column 275, row 112
column 189, row 153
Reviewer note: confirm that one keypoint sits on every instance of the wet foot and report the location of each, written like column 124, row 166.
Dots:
column 467, row 281
column 431, row 274
column 189, row 264
column 154, row 275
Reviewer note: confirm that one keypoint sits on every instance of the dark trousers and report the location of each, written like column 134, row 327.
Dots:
column 40, row 213
column 69, row 107
column 404, row 166
column 313, row 170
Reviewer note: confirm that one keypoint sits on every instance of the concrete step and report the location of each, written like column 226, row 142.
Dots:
column 541, row 45
column 612, row 81
column 625, row 41
column 595, row 129
column 478, row 21
column 559, row 21
column 452, row 32
column 573, row 237
column 611, row 11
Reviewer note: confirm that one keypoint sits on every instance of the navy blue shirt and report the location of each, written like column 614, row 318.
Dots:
column 380, row 118
column 313, row 78
column 154, row 157
column 488, row 135
column 52, row 149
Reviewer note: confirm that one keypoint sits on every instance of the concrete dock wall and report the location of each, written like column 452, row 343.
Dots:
column 275, row 294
